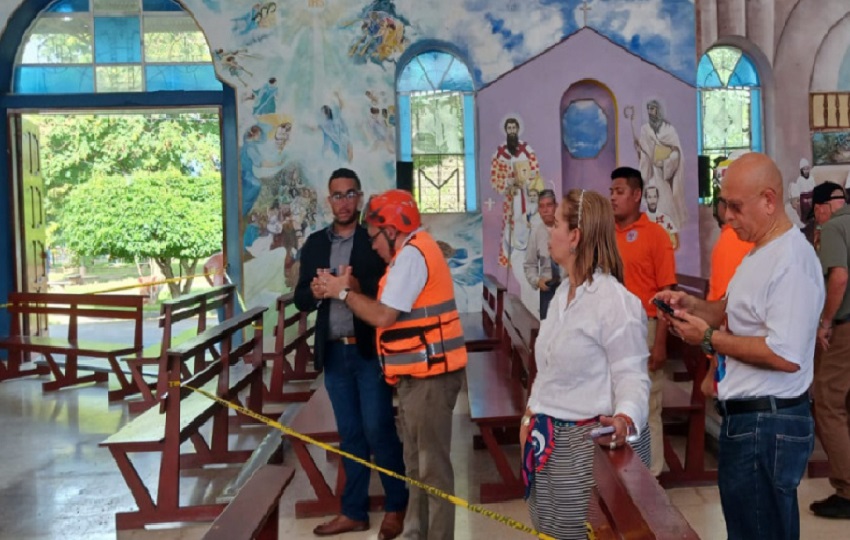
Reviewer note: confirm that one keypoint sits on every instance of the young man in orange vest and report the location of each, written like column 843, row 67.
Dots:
column 421, row 347
column 649, row 266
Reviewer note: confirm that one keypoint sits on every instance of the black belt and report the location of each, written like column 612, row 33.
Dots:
column 759, row 404
column 837, row 322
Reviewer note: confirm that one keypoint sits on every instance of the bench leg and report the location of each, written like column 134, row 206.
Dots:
column 140, row 492
column 70, row 377
column 282, row 373
column 127, row 387
column 11, row 368
column 326, row 501
column 511, row 486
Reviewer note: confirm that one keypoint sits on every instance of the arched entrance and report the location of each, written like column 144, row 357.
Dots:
column 588, row 136
column 12, row 273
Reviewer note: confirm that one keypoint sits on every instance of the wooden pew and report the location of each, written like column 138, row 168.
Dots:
column 483, row 331
column 683, row 411
column 498, row 384
column 180, row 416
column 297, row 349
column 21, row 342
column 253, row 513
column 189, row 306
column 316, row 419
column 627, row 502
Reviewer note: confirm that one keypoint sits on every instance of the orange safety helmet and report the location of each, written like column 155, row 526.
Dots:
column 395, row 207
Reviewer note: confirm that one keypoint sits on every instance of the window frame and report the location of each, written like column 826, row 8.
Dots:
column 405, row 150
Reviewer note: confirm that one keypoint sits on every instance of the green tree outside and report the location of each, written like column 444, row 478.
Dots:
column 159, row 215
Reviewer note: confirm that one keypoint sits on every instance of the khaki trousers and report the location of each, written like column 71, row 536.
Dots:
column 425, row 409
column 831, row 392
column 656, row 427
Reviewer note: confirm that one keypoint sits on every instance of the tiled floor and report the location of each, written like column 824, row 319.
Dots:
column 55, row 482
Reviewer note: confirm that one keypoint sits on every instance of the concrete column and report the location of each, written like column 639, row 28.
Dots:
column 707, row 25
column 731, row 18
column 760, row 25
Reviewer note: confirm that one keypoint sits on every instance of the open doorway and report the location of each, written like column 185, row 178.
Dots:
column 112, row 199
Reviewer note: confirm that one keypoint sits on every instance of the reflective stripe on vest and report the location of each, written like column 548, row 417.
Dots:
column 428, row 311
column 428, row 340
column 431, row 350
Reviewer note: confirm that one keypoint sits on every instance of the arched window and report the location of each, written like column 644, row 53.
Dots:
column 437, row 131
column 97, row 46
column 729, row 103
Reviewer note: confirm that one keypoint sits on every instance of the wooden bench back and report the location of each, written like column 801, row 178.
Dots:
column 196, row 304
column 629, row 502
column 305, row 328
column 222, row 336
column 493, row 305
column 106, row 306
column 520, row 329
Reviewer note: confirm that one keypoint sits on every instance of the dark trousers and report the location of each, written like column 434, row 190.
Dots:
column 363, row 406
column 546, row 297
column 763, row 456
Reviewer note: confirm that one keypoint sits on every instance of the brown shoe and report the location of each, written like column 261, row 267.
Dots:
column 392, row 526
column 339, row 525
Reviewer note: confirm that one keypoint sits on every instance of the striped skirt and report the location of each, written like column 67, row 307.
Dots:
column 561, row 491
column 558, row 503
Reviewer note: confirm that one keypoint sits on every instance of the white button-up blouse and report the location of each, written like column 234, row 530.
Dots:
column 592, row 354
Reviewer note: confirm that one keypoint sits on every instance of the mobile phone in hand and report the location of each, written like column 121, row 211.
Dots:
column 665, row 307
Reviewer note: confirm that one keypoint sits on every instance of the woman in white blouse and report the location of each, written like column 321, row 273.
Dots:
column 591, row 357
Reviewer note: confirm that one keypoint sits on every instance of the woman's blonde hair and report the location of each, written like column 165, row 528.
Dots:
column 591, row 213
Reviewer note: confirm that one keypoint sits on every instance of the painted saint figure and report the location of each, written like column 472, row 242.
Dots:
column 514, row 172
column 651, row 196
column 662, row 164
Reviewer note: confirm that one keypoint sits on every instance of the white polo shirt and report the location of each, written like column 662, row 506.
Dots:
column 777, row 292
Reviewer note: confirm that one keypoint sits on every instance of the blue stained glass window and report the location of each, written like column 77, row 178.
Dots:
column 69, row 6
column 745, row 73
column 706, row 76
column 160, row 5
column 117, row 40
column 54, row 80
column 436, row 122
column 435, row 70
column 729, row 103
column 181, row 77
column 104, row 39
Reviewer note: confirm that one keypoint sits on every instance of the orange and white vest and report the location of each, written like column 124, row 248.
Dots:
column 428, row 340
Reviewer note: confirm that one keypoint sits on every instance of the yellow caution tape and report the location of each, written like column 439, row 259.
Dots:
column 505, row 520
column 148, row 284
column 151, row 283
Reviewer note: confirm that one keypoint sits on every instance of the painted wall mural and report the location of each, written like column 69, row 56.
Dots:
column 315, row 87
column 661, row 163
column 459, row 237
column 649, row 124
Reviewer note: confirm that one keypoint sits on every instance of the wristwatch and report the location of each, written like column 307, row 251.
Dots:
column 343, row 294
column 707, row 348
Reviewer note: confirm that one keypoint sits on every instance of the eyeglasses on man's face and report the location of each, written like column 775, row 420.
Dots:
column 349, row 195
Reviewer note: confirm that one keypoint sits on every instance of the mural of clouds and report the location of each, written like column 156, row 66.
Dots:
column 497, row 35
column 585, row 128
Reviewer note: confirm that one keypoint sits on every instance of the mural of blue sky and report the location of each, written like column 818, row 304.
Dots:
column 660, row 31
column 585, row 128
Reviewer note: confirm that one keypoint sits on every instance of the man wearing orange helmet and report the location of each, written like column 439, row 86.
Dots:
column 421, row 346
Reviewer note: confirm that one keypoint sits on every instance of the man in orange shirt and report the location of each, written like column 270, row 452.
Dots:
column 649, row 266
column 728, row 252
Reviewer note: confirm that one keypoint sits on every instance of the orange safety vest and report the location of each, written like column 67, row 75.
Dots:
column 429, row 339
